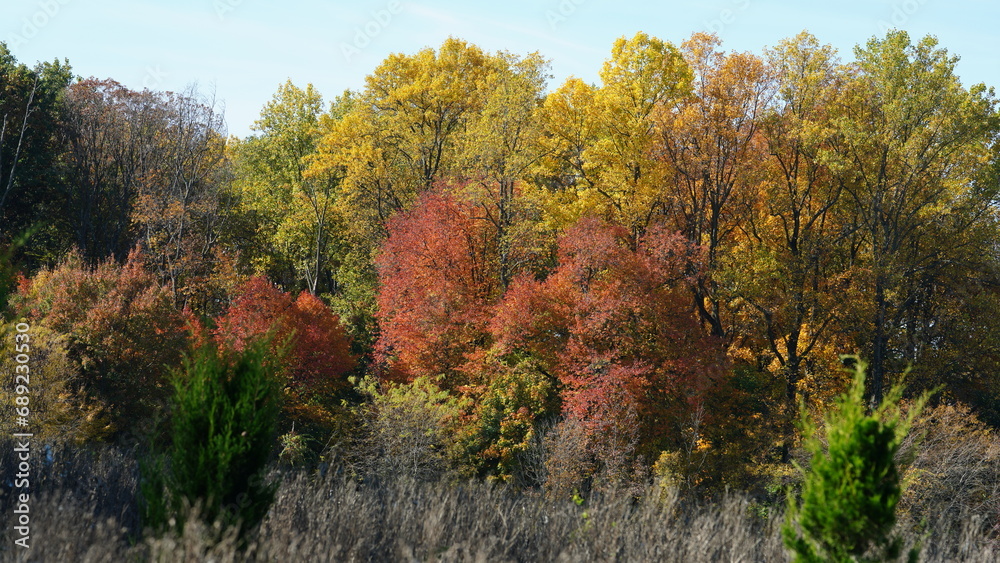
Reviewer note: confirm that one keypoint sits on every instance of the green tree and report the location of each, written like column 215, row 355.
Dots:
column 32, row 177
column 915, row 141
column 293, row 212
column 847, row 509
column 224, row 417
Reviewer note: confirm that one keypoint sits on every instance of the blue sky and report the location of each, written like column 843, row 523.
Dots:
column 243, row 49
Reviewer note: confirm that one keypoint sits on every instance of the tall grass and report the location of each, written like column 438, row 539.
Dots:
column 84, row 509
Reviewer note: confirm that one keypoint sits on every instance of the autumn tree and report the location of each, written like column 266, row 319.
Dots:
column 603, row 138
column 710, row 141
column 452, row 113
column 498, row 150
column 790, row 261
column 112, row 150
column 121, row 328
column 439, row 278
column 179, row 208
column 293, row 212
column 914, row 139
column 401, row 136
column 305, row 333
column 613, row 324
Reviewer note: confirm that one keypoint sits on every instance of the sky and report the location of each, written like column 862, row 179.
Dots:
column 240, row 51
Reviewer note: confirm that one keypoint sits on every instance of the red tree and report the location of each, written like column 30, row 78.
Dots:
column 614, row 324
column 319, row 357
column 122, row 326
column 439, row 278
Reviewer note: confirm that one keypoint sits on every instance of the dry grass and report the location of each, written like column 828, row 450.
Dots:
column 85, row 511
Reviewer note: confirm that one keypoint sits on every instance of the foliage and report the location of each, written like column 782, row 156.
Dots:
column 295, row 223
column 955, row 469
column 438, row 279
column 61, row 411
column 223, row 420
column 32, row 177
column 507, row 415
column 412, row 429
column 848, row 504
column 120, row 326
column 315, row 349
column 613, row 324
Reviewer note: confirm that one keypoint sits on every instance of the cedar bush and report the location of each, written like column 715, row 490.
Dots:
column 224, row 417
column 847, row 510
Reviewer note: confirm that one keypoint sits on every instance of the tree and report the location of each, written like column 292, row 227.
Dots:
column 849, row 496
column 710, row 140
column 111, row 132
column 31, row 154
column 498, row 149
column 602, row 138
column 613, row 325
column 314, row 346
column 455, row 114
column 121, row 328
column 401, row 136
column 914, row 140
column 178, row 207
column 791, row 259
column 293, row 210
column 438, row 280
column 223, row 419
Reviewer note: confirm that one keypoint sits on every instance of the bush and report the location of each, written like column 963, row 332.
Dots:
column 849, row 496
column 957, row 469
column 121, row 332
column 223, row 424
column 412, row 429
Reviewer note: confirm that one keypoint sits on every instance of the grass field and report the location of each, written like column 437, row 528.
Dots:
column 84, row 508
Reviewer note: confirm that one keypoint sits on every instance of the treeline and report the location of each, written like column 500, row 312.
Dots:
column 476, row 274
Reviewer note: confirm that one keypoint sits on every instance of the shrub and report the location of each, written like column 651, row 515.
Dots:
column 506, row 415
column 318, row 358
column 224, row 416
column 412, row 429
column 848, row 507
column 956, row 471
column 121, row 331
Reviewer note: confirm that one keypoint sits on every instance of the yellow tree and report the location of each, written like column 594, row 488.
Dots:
column 568, row 187
column 498, row 149
column 709, row 141
column 402, row 134
column 600, row 141
column 792, row 255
